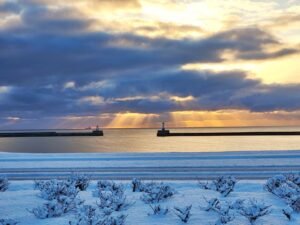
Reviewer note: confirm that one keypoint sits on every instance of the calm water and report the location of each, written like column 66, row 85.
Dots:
column 145, row 140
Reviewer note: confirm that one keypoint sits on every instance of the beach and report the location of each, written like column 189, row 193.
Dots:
column 182, row 171
column 159, row 166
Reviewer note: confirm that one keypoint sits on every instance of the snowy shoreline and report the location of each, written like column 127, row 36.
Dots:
column 162, row 166
column 179, row 170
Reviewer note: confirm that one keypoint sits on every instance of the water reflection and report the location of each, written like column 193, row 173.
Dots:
column 145, row 140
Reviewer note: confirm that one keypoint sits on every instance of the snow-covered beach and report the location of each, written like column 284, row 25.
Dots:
column 161, row 166
column 179, row 170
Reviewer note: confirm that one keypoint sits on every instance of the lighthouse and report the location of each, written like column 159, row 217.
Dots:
column 163, row 132
column 97, row 131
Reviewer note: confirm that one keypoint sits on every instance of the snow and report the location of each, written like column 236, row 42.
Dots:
column 21, row 197
column 243, row 165
column 182, row 171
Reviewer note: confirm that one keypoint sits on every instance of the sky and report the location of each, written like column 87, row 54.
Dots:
column 136, row 63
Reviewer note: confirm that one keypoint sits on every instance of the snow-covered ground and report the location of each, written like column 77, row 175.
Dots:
column 180, row 170
column 175, row 166
column 21, row 196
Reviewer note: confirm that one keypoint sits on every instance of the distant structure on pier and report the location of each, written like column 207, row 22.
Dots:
column 94, row 133
column 163, row 132
column 97, row 131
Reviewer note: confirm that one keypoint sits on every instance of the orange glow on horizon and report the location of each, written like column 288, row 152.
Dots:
column 232, row 118
column 132, row 120
column 221, row 118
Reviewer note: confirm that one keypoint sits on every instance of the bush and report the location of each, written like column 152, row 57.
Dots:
column 112, row 201
column 294, row 177
column 112, row 197
column 61, row 196
column 184, row 213
column 288, row 212
column 106, row 185
column 53, row 189
column 157, row 192
column 282, row 187
column 254, row 210
column 56, row 207
column 295, row 203
column 237, row 204
column 225, row 210
column 8, row 222
column 286, row 187
column 113, row 220
column 225, row 216
column 3, row 184
column 224, row 185
column 88, row 215
column 110, row 186
column 80, row 181
column 158, row 210
column 216, row 205
column 212, row 205
column 137, row 185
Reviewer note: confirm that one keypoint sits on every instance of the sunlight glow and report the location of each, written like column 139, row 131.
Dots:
column 4, row 89
column 182, row 99
column 13, row 118
column 220, row 67
column 132, row 120
column 227, row 118
column 70, row 84
column 134, row 39
column 93, row 100
column 283, row 70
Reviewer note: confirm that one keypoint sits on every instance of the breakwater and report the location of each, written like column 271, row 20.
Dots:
column 167, row 133
column 51, row 134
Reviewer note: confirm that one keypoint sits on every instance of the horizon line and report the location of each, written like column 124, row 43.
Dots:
column 131, row 128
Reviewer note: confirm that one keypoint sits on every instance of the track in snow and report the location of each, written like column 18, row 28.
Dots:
column 152, row 166
column 153, row 173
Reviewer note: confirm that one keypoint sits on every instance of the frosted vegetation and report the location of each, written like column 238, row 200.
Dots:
column 80, row 181
column 254, row 210
column 184, row 213
column 287, row 188
column 91, row 215
column 154, row 193
column 61, row 195
column 112, row 197
column 111, row 201
column 224, row 185
column 8, row 222
column 3, row 184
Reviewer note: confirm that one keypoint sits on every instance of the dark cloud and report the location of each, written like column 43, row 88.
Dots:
column 273, row 97
column 41, row 19
column 30, row 56
column 52, row 47
column 268, row 55
column 179, row 83
column 7, row 7
column 152, row 93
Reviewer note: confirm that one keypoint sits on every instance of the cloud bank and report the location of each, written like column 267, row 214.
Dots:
column 54, row 65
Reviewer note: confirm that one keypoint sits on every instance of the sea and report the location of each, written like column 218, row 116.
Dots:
column 145, row 140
